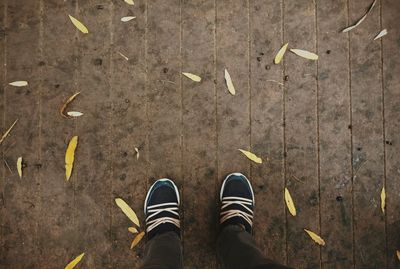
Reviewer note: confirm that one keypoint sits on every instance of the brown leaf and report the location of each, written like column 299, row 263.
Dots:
column 64, row 106
column 137, row 239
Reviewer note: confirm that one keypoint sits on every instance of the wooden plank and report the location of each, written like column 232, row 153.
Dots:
column 20, row 196
column 129, row 128
column 368, row 153
column 199, row 134
column 301, row 140
column 334, row 136
column 58, row 236
column 92, row 177
column 391, row 84
column 3, row 167
column 267, row 127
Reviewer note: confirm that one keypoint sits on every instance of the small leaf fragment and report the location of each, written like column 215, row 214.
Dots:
column 7, row 132
column 123, row 56
column 127, row 211
column 133, row 230
column 398, row 254
column 281, row 52
column 20, row 83
column 317, row 239
column 383, row 200
column 79, row 25
column 64, row 106
column 229, row 83
column 251, row 156
column 70, row 156
column 127, row 18
column 74, row 262
column 137, row 239
column 137, row 153
column 305, row 54
column 290, row 203
column 129, row 2
column 19, row 166
column 74, row 114
column 381, row 34
column 360, row 20
column 193, row 77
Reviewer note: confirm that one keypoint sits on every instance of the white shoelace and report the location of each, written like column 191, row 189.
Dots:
column 244, row 202
column 155, row 210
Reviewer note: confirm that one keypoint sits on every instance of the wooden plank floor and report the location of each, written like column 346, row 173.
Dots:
column 327, row 130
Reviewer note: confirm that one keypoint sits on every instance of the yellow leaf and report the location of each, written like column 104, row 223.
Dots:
column 305, row 54
column 79, row 25
column 129, row 2
column 74, row 114
column 229, row 83
column 317, row 239
column 74, row 262
column 398, row 254
column 137, row 239
column 127, row 211
column 19, row 166
column 70, row 156
column 7, row 132
column 251, row 156
column 133, row 230
column 383, row 200
column 127, row 18
column 279, row 55
column 290, row 203
column 64, row 106
column 192, row 76
column 360, row 20
column 19, row 83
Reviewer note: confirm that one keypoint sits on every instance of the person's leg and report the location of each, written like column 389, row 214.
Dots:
column 236, row 248
column 163, row 249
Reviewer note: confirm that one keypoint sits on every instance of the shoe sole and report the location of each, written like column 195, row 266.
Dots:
column 241, row 175
column 151, row 188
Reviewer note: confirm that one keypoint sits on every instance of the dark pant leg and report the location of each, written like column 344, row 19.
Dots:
column 164, row 251
column 236, row 249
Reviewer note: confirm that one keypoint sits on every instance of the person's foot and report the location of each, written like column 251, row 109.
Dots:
column 237, row 202
column 161, row 208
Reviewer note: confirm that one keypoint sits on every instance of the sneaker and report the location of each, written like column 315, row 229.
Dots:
column 161, row 208
column 237, row 202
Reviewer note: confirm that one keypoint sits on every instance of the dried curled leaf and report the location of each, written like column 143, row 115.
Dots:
column 20, row 83
column 137, row 153
column 79, row 25
column 360, row 20
column 381, row 34
column 74, row 262
column 229, row 83
column 127, row 211
column 133, row 230
column 317, row 239
column 193, row 77
column 281, row 52
column 70, row 156
column 290, row 203
column 137, row 239
column 251, row 156
column 129, row 2
column 19, row 166
column 64, row 106
column 305, row 54
column 7, row 132
column 383, row 200
column 74, row 114
column 127, row 18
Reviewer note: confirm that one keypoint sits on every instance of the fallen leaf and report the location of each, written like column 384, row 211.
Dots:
column 74, row 114
column 360, row 20
column 64, row 106
column 129, row 2
column 281, row 52
column 137, row 153
column 70, row 156
column 383, row 200
column 74, row 262
column 398, row 254
column 381, row 34
column 127, row 18
column 7, row 132
column 229, row 83
column 133, row 230
column 123, row 56
column 19, row 166
column 317, row 239
column 137, row 239
column 127, row 211
column 305, row 54
column 192, row 76
column 251, row 156
column 20, row 83
column 290, row 203
column 79, row 25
